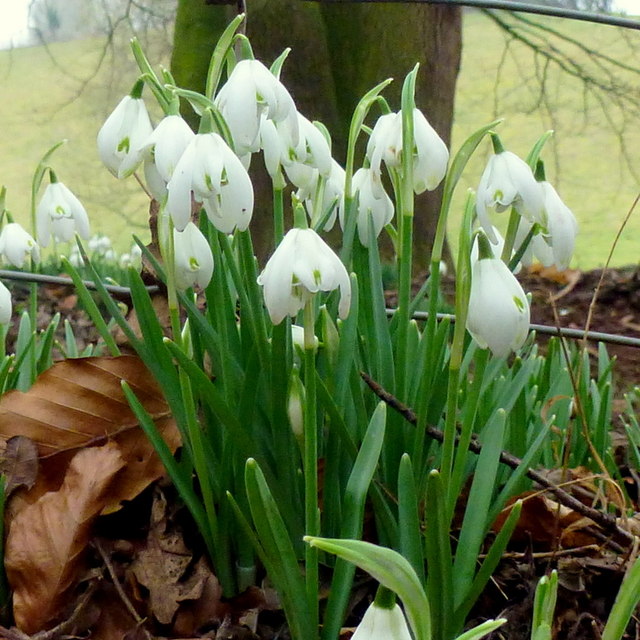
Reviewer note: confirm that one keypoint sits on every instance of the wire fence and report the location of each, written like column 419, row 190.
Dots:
column 511, row 5
column 564, row 332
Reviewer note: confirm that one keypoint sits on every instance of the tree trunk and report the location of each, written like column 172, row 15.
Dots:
column 339, row 51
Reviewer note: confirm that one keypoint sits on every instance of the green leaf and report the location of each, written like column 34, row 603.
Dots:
column 391, row 570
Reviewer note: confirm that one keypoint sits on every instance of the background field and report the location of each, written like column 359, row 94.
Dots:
column 593, row 159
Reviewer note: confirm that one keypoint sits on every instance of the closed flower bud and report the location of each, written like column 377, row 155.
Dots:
column 193, row 258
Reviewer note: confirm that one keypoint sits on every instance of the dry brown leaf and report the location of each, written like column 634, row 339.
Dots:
column 19, row 464
column 79, row 403
column 47, row 539
column 160, row 566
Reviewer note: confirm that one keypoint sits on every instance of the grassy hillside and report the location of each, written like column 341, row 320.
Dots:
column 61, row 93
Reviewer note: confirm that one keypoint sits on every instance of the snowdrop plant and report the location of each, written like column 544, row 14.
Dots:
column 60, row 214
column 265, row 361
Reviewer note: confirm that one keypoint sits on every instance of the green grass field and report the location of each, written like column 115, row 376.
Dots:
column 593, row 158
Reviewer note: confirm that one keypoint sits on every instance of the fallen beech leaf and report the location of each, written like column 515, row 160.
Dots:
column 78, row 403
column 47, row 539
column 19, row 464
column 161, row 566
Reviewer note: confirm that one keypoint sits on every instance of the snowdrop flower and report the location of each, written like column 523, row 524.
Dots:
column 498, row 315
column 6, row 307
column 302, row 265
column 373, row 203
column 167, row 144
column 561, row 225
column 210, row 171
column 430, row 154
column 60, row 214
column 508, row 181
column 124, row 132
column 251, row 91
column 379, row 623
column 16, row 245
column 193, row 258
column 132, row 259
column 311, row 152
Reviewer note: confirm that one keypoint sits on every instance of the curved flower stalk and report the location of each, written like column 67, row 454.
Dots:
column 508, row 181
column 209, row 171
column 430, row 154
column 163, row 149
column 302, row 265
column 498, row 315
column 16, row 245
column 373, row 202
column 193, row 258
column 251, row 92
column 124, row 132
column 60, row 214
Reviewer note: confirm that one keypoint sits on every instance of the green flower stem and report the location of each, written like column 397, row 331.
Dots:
column 311, row 512
column 278, row 215
column 510, row 238
column 405, row 222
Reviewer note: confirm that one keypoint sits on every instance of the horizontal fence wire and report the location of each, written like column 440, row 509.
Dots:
column 511, row 5
column 565, row 332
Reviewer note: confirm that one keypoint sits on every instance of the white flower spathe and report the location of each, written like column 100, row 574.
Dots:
column 373, row 203
column 561, row 225
column 498, row 315
column 302, row 265
column 251, row 92
column 6, row 307
column 193, row 257
column 382, row 624
column 210, row 171
column 122, row 135
column 16, row 245
column 430, row 154
column 508, row 181
column 60, row 214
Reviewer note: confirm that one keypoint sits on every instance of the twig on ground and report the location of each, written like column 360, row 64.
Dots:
column 604, row 520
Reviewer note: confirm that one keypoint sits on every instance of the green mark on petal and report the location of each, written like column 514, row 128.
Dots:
column 124, row 145
column 519, row 303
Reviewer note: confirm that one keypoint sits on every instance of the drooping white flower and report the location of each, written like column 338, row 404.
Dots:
column 379, row 623
column 251, row 91
column 60, row 214
column 167, row 143
column 209, row 171
column 332, row 196
column 133, row 258
column 373, row 204
column 562, row 226
column 498, row 315
column 312, row 152
column 430, row 153
column 6, row 307
column 302, row 265
column 122, row 135
column 193, row 257
column 508, row 181
column 16, row 245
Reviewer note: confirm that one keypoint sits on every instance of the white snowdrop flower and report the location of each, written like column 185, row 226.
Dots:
column 6, row 306
column 167, row 143
column 562, row 226
column 302, row 265
column 122, row 135
column 373, row 203
column 380, row 623
column 251, row 92
column 193, row 258
column 430, row 153
column 508, row 181
column 60, row 214
column 499, row 314
column 16, row 245
column 212, row 174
